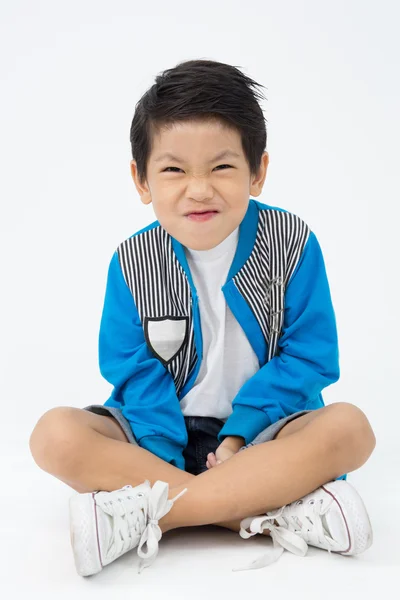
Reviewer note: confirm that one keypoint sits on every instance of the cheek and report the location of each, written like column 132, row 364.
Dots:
column 167, row 214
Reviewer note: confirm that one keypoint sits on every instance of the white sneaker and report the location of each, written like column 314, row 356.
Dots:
column 105, row 525
column 333, row 518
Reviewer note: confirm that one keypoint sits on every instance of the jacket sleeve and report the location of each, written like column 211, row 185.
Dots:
column 307, row 359
column 143, row 388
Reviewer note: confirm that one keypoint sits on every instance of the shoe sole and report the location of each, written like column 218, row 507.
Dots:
column 83, row 532
column 355, row 515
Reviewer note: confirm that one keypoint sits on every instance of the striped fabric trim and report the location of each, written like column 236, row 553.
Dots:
column 280, row 240
column 160, row 288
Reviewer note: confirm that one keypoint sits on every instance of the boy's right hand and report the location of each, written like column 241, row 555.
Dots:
column 222, row 454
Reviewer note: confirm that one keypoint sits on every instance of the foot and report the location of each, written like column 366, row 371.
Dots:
column 105, row 525
column 333, row 518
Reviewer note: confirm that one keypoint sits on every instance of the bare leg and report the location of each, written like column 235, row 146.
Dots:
column 337, row 440
column 90, row 452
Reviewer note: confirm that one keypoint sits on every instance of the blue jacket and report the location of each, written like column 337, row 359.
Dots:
column 150, row 343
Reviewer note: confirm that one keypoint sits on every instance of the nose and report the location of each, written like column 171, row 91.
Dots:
column 199, row 189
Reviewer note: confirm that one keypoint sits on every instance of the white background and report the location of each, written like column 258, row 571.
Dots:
column 71, row 73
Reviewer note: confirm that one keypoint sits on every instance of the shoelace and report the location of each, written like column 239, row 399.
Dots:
column 158, row 506
column 131, row 515
column 299, row 523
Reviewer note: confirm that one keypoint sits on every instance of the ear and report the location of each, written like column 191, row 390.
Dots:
column 142, row 188
column 257, row 181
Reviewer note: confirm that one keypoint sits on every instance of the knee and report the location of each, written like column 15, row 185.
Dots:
column 53, row 439
column 353, row 427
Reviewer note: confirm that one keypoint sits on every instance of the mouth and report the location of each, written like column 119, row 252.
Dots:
column 204, row 215
column 201, row 212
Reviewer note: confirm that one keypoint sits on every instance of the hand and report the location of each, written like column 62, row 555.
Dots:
column 222, row 453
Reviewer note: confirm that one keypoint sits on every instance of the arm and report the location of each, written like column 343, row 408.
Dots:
column 143, row 387
column 308, row 358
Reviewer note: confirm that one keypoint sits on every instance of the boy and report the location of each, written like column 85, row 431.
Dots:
column 218, row 335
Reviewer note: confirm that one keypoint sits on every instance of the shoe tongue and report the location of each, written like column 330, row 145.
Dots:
column 106, row 523
column 335, row 526
column 107, row 526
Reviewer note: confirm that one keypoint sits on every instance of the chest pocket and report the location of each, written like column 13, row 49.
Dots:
column 166, row 336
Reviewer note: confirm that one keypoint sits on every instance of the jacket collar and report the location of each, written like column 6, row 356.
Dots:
column 246, row 241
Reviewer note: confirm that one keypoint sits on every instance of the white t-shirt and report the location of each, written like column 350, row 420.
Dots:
column 228, row 358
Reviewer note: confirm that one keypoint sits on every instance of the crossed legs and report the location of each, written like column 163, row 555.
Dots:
column 90, row 452
column 319, row 447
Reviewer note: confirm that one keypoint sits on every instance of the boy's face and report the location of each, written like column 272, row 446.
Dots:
column 194, row 181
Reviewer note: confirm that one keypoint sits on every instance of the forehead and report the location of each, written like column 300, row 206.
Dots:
column 196, row 139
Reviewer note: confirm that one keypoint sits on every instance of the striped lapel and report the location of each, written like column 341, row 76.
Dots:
column 271, row 241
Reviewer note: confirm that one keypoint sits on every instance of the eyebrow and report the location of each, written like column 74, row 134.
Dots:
column 223, row 154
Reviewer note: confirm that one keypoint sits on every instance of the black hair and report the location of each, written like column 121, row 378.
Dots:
column 200, row 90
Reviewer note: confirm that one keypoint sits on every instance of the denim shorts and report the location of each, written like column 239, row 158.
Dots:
column 202, row 434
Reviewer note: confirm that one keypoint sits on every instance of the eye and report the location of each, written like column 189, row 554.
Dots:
column 229, row 166
column 167, row 169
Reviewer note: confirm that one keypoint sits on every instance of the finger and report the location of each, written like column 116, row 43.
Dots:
column 211, row 459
